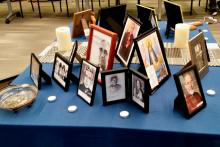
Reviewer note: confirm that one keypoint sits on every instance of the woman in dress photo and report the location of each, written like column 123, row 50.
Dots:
column 138, row 92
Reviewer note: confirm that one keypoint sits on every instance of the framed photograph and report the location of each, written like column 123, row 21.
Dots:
column 114, row 86
column 198, row 53
column 101, row 48
column 62, row 69
column 73, row 52
column 190, row 91
column 35, row 70
column 88, row 81
column 139, row 88
column 147, row 16
column 125, row 50
column 152, row 57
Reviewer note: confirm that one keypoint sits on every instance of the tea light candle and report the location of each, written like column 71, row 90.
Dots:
column 181, row 38
column 63, row 38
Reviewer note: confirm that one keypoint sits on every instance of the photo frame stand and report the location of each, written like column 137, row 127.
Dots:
column 168, row 30
column 46, row 77
column 178, row 105
column 74, row 78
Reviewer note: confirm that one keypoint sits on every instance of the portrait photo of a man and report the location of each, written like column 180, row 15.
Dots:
column 191, row 91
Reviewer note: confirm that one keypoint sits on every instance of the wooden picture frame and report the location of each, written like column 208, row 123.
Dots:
column 114, row 86
column 101, row 48
column 77, row 24
column 61, row 73
column 151, row 53
column 87, row 82
column 198, row 54
column 36, row 72
column 190, row 99
column 125, row 48
column 139, row 90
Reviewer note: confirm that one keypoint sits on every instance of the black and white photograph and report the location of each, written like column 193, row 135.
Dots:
column 198, row 53
column 35, row 70
column 61, row 71
column 114, row 85
column 139, row 89
column 88, row 82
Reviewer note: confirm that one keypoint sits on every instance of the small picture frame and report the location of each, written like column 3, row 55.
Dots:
column 73, row 52
column 139, row 88
column 125, row 46
column 147, row 16
column 190, row 98
column 62, row 69
column 101, row 48
column 36, row 72
column 152, row 58
column 87, row 82
column 172, row 8
column 198, row 53
column 114, row 86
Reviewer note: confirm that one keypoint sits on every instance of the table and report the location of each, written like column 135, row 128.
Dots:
column 49, row 124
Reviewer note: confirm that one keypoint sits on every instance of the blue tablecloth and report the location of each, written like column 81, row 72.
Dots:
column 51, row 125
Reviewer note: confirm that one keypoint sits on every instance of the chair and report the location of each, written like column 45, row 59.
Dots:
column 206, row 5
column 38, row 3
column 117, row 2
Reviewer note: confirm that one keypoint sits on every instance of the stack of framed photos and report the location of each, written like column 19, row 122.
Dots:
column 152, row 58
column 190, row 99
column 116, row 87
column 36, row 72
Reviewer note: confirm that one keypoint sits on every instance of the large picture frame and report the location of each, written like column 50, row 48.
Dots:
column 87, row 82
column 190, row 98
column 73, row 52
column 125, row 46
column 37, row 73
column 140, row 89
column 61, row 73
column 101, row 48
column 114, row 86
column 152, row 57
column 198, row 53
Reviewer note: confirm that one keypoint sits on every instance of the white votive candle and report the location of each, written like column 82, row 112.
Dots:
column 181, row 38
column 63, row 38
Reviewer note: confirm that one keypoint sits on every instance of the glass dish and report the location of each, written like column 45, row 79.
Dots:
column 17, row 96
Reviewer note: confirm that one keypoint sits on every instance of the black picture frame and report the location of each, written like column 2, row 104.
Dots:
column 85, row 89
column 199, row 53
column 172, row 8
column 73, row 52
column 141, row 98
column 146, row 16
column 187, row 81
column 111, row 93
column 38, row 73
column 125, row 54
column 62, row 76
column 162, row 71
